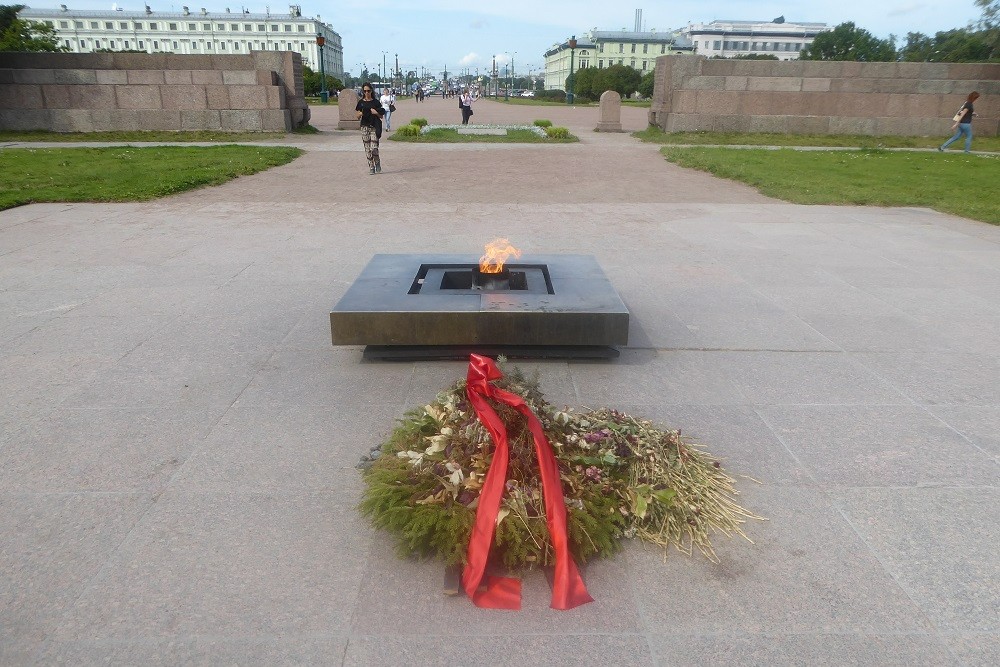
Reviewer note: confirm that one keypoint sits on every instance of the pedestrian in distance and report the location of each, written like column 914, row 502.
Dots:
column 388, row 101
column 369, row 111
column 963, row 123
column 465, row 104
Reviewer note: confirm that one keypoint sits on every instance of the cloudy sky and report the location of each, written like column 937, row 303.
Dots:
column 459, row 34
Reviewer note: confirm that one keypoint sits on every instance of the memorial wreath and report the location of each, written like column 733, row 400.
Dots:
column 489, row 469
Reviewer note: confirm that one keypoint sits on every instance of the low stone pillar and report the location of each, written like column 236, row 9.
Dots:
column 347, row 100
column 611, row 112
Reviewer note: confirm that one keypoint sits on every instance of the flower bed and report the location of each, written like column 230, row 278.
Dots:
column 531, row 128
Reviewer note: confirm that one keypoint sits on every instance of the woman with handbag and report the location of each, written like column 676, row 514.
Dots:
column 388, row 101
column 963, row 123
column 465, row 104
column 369, row 111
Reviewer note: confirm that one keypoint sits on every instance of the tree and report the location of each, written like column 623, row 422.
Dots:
column 646, row 85
column 990, row 25
column 951, row 46
column 622, row 79
column 19, row 35
column 848, row 42
column 584, row 82
column 311, row 82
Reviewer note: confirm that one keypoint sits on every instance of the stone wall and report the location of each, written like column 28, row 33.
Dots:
column 87, row 92
column 811, row 97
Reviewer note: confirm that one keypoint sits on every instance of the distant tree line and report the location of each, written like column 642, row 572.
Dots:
column 16, row 34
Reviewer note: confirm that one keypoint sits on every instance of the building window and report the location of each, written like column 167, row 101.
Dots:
column 93, row 25
column 663, row 48
column 644, row 63
column 621, row 61
column 222, row 47
column 206, row 26
column 108, row 25
column 175, row 45
column 126, row 43
column 600, row 64
column 67, row 43
column 208, row 47
column 236, row 46
column 194, row 46
column 78, row 25
column 275, row 46
column 192, row 26
column 261, row 27
column 153, row 26
column 288, row 28
column 633, row 63
column 633, row 48
column 234, row 27
column 156, row 45
column 621, row 48
column 645, row 48
column 172, row 26
column 142, row 45
column 64, row 25
column 302, row 28
column 83, row 43
column 600, row 47
column 274, row 27
column 123, row 25
column 247, row 27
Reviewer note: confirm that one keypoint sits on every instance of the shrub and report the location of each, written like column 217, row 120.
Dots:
column 543, row 122
column 557, row 132
column 581, row 99
column 419, row 122
column 557, row 95
column 410, row 130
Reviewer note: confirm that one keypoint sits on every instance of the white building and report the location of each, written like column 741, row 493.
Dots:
column 201, row 32
column 740, row 38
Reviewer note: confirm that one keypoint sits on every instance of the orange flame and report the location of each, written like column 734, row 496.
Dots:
column 497, row 252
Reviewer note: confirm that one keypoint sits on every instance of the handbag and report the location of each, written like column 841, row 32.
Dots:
column 958, row 114
column 392, row 108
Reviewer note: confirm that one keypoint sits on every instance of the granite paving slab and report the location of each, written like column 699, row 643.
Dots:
column 178, row 435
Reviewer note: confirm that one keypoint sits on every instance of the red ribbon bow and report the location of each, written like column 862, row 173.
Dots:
column 568, row 589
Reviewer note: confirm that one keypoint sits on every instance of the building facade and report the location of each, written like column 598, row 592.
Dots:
column 740, row 38
column 604, row 48
column 202, row 32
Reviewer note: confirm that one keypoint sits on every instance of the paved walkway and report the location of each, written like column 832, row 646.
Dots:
column 178, row 436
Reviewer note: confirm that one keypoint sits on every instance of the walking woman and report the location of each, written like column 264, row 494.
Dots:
column 465, row 102
column 964, row 123
column 388, row 101
column 370, row 111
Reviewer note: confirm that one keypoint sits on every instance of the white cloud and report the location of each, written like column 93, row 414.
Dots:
column 469, row 59
column 906, row 9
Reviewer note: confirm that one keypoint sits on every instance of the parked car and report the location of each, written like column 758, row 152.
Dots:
column 528, row 93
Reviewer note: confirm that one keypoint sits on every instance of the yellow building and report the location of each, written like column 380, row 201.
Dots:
column 604, row 48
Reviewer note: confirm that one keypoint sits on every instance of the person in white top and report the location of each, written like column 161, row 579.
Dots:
column 388, row 101
column 466, row 103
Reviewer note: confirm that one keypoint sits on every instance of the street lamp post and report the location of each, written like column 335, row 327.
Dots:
column 493, row 74
column 395, row 77
column 511, row 86
column 382, row 76
column 572, row 49
column 324, row 96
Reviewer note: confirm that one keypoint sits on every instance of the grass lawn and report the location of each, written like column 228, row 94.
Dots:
column 125, row 173
column 199, row 135
column 657, row 136
column 444, row 136
column 955, row 183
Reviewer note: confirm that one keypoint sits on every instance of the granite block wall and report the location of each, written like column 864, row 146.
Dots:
column 693, row 93
column 85, row 92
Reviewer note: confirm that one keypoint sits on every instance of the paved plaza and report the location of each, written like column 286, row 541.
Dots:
column 178, row 436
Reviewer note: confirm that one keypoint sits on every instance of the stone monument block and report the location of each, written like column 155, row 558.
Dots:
column 346, row 101
column 195, row 119
column 56, row 96
column 247, row 97
column 111, row 76
column 177, row 76
column 91, row 97
column 184, row 97
column 218, row 97
column 206, row 77
column 149, row 77
column 241, row 120
column 239, row 77
column 611, row 112
column 138, row 97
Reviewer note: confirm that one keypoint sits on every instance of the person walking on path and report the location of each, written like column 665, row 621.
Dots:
column 388, row 101
column 369, row 111
column 465, row 103
column 963, row 124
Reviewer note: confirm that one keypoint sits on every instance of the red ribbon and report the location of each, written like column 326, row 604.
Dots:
column 568, row 589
